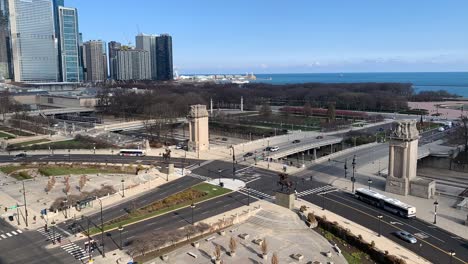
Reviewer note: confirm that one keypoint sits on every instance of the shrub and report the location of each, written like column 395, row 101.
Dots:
column 303, row 209
column 274, row 259
column 217, row 252
column 311, row 218
column 372, row 244
column 232, row 244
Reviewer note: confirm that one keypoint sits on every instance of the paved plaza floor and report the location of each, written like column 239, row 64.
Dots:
column 284, row 232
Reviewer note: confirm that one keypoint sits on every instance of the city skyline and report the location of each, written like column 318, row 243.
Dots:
column 335, row 36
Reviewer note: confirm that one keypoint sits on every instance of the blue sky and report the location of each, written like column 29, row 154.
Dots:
column 297, row 36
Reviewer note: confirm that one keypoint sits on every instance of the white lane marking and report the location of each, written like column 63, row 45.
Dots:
column 14, row 233
column 19, row 231
column 9, row 235
column 2, row 235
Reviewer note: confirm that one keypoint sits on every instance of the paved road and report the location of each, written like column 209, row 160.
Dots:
column 436, row 243
column 121, row 209
column 28, row 247
column 148, row 160
column 171, row 221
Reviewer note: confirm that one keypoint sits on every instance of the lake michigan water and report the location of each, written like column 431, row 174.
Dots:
column 452, row 82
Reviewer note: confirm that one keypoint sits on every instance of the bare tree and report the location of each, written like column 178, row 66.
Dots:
column 82, row 182
column 232, row 245
column 264, row 247
column 217, row 253
column 464, row 120
column 274, row 259
column 265, row 110
column 307, row 109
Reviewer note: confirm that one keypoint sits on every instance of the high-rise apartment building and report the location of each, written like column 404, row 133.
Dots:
column 132, row 64
column 113, row 48
column 33, row 41
column 69, row 42
column 148, row 43
column 164, row 57
column 96, row 60
column 5, row 47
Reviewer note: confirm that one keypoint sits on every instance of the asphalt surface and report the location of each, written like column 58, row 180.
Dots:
column 123, row 208
column 147, row 160
column 29, row 247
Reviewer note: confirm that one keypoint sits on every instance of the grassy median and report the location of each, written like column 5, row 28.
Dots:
column 196, row 194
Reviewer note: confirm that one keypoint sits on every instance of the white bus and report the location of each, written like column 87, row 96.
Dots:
column 132, row 152
column 389, row 204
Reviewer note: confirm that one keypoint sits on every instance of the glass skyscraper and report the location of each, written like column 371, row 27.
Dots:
column 5, row 47
column 33, row 41
column 164, row 57
column 69, row 42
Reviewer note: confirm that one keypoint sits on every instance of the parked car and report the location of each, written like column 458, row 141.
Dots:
column 224, row 139
column 267, row 149
column 248, row 154
column 274, row 149
column 319, row 137
column 441, row 129
column 296, row 141
column 403, row 235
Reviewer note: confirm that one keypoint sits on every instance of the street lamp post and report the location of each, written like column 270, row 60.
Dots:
column 69, row 158
column 123, row 188
column 346, row 168
column 380, row 224
column 353, row 179
column 233, row 163
column 369, row 181
column 102, row 229
column 120, row 231
column 219, row 176
column 248, row 196
column 193, row 207
column 436, row 203
column 53, row 231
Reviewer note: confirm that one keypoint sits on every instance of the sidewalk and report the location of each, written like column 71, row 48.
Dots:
column 107, row 202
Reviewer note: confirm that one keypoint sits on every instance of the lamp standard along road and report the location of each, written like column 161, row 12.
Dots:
column 102, row 229
column 380, row 224
column 436, row 203
column 120, row 231
column 353, row 179
column 193, row 207
column 369, row 181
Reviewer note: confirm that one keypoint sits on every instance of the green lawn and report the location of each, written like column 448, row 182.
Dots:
column 22, row 175
column 210, row 190
column 22, row 145
column 67, row 144
column 59, row 170
column 10, row 169
column 5, row 135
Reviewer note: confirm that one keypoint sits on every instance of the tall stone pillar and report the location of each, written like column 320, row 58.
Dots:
column 403, row 157
column 198, row 128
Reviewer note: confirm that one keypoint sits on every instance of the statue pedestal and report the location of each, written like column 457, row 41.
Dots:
column 285, row 199
column 169, row 169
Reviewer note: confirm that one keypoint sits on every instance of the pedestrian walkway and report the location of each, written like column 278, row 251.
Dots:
column 255, row 193
column 318, row 190
column 10, row 234
column 201, row 177
column 76, row 251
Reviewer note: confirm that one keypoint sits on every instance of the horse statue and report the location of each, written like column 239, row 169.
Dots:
column 284, row 182
column 167, row 155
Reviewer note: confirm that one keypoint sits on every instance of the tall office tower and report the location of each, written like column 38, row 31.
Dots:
column 132, row 64
column 113, row 48
column 69, row 41
column 5, row 54
column 96, row 60
column 33, row 41
column 81, row 58
column 148, row 43
column 164, row 58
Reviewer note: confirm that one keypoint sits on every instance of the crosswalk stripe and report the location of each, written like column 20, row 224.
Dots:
column 9, row 235
column 2, row 235
column 19, row 231
column 14, row 233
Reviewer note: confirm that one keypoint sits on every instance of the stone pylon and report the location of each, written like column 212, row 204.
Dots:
column 403, row 157
column 198, row 128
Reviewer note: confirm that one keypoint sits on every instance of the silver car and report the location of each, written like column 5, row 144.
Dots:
column 403, row 235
